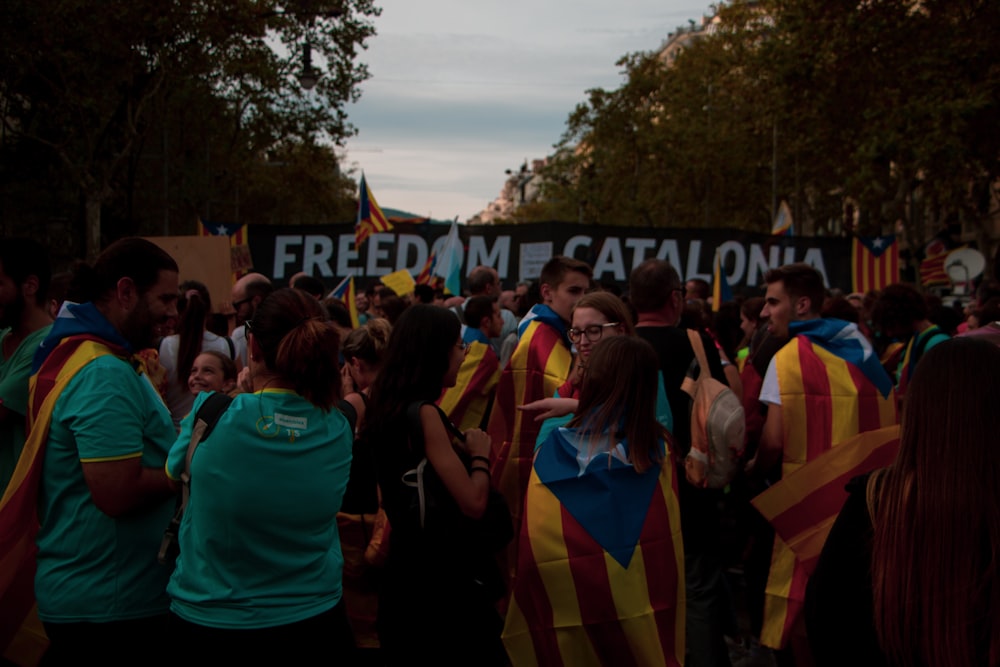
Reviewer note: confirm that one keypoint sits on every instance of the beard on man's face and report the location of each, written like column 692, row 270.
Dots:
column 10, row 313
column 139, row 328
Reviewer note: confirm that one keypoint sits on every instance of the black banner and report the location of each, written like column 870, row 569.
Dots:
column 519, row 251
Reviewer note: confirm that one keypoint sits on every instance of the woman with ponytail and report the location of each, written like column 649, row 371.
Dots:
column 178, row 351
column 259, row 576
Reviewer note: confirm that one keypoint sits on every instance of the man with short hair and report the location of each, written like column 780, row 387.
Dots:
column 823, row 387
column 657, row 294
column 247, row 294
column 467, row 403
column 539, row 365
column 901, row 314
column 93, row 465
column 24, row 323
column 485, row 281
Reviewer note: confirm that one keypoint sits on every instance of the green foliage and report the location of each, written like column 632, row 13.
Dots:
column 888, row 106
column 94, row 92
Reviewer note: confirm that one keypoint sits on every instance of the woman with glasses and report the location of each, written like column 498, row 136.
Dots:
column 599, row 578
column 597, row 316
column 258, row 578
column 440, row 581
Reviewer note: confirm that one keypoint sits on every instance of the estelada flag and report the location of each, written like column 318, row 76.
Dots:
column 600, row 574
column 345, row 292
column 237, row 233
column 370, row 217
column 19, row 505
column 539, row 365
column 825, row 401
column 426, row 275
column 803, row 506
column 467, row 401
column 874, row 262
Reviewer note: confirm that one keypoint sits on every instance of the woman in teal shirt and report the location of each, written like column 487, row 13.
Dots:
column 259, row 573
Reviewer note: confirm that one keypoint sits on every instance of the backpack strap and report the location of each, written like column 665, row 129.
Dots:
column 204, row 422
column 415, row 429
column 232, row 348
column 699, row 353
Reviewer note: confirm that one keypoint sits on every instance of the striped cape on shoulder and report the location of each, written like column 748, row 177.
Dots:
column 601, row 563
column 539, row 366
column 466, row 403
column 825, row 401
column 19, row 505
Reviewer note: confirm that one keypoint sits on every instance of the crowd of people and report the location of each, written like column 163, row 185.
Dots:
column 498, row 478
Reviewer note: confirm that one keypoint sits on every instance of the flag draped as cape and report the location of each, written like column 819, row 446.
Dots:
column 466, row 402
column 19, row 505
column 600, row 566
column 539, row 366
column 825, row 401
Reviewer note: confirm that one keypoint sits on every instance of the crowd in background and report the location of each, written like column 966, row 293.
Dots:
column 503, row 477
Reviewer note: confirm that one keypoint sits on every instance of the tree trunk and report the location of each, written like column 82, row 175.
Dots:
column 93, row 223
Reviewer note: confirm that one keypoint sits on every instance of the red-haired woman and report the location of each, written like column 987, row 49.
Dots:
column 258, row 579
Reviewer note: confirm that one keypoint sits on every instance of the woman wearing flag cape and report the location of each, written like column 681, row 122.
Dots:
column 600, row 561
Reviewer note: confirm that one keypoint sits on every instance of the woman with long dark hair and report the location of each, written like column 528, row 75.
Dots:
column 440, row 581
column 258, row 579
column 909, row 575
column 600, row 572
column 178, row 351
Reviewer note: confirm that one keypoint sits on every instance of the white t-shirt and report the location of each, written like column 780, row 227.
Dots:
column 770, row 392
column 240, row 343
column 179, row 399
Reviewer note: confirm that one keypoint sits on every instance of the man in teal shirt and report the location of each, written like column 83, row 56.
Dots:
column 24, row 322
column 104, row 498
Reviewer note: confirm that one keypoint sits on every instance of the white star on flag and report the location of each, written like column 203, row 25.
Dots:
column 221, row 231
column 877, row 243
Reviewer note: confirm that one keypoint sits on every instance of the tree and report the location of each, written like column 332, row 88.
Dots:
column 82, row 81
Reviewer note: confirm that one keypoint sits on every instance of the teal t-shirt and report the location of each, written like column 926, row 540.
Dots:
column 14, row 374
column 92, row 567
column 259, row 541
column 663, row 415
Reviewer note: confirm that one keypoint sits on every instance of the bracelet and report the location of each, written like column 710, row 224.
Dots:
column 480, row 469
column 484, row 459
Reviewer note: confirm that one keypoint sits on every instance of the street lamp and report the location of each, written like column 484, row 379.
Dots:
column 309, row 75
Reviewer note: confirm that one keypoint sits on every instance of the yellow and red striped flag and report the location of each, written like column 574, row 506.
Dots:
column 426, row 275
column 825, row 401
column 466, row 402
column 874, row 262
column 539, row 366
column 370, row 217
column 346, row 293
column 600, row 573
column 19, row 504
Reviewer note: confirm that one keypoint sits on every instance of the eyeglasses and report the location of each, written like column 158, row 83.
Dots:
column 593, row 332
column 462, row 345
column 237, row 304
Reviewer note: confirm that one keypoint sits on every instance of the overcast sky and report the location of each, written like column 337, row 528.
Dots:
column 461, row 91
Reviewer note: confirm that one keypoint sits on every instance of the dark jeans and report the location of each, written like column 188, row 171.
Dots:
column 322, row 639
column 134, row 642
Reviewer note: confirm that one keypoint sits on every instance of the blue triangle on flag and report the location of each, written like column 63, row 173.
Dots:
column 609, row 501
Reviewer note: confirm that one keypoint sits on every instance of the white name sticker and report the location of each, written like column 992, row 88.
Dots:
column 299, row 423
